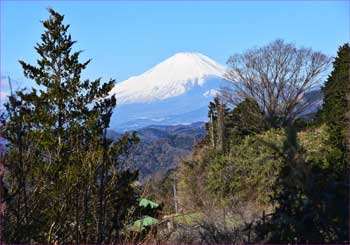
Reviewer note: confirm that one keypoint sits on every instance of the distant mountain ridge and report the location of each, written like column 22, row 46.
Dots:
column 161, row 147
column 176, row 91
column 170, row 78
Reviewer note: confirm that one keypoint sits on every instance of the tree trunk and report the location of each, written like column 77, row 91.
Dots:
column 101, row 190
column 175, row 195
column 86, row 202
column 220, row 128
column 347, row 118
column 212, row 136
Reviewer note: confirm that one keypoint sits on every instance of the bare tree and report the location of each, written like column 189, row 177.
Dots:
column 277, row 76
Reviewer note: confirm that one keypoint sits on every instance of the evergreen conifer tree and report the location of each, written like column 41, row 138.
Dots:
column 61, row 171
column 336, row 108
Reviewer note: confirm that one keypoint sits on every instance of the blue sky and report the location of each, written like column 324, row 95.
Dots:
column 127, row 38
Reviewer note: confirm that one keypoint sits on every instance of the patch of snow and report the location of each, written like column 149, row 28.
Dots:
column 211, row 92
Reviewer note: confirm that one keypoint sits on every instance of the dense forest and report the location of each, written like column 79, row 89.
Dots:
column 267, row 171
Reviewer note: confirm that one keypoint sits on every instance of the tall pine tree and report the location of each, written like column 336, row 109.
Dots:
column 61, row 171
column 336, row 108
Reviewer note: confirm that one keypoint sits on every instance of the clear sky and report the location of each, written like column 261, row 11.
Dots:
column 127, row 38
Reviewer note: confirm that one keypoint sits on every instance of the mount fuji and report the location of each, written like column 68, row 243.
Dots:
column 176, row 91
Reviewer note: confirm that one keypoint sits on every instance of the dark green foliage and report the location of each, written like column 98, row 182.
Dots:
column 245, row 119
column 243, row 167
column 216, row 126
column 61, row 172
column 214, row 108
column 311, row 205
column 336, row 107
column 317, row 214
column 250, row 169
column 161, row 189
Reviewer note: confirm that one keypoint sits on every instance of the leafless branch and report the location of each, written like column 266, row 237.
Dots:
column 277, row 76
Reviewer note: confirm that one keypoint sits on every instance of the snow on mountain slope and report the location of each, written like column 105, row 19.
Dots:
column 176, row 91
column 172, row 77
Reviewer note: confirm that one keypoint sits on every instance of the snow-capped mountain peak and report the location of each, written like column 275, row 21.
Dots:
column 172, row 77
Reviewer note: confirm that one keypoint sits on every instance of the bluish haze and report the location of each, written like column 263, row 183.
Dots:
column 127, row 38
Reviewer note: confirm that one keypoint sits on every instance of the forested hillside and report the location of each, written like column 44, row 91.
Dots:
column 162, row 148
column 263, row 174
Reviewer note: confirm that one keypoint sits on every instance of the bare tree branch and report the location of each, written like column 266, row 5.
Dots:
column 277, row 76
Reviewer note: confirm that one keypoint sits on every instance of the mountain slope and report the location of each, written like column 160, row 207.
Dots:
column 176, row 91
column 161, row 147
column 172, row 77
